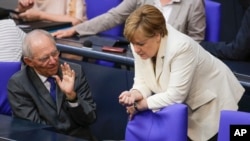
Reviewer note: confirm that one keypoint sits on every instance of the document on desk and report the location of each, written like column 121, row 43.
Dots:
column 97, row 40
column 45, row 25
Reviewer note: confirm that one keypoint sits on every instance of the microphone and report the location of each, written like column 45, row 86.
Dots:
column 87, row 43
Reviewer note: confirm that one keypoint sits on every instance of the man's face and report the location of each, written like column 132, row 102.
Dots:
column 45, row 57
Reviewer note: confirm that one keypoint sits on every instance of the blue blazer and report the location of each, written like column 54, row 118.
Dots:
column 238, row 49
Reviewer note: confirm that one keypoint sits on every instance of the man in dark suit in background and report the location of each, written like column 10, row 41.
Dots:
column 245, row 3
column 72, row 110
column 239, row 48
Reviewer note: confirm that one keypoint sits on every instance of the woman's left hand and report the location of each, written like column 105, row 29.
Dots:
column 131, row 111
column 126, row 98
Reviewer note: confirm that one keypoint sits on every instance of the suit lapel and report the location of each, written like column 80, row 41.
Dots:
column 59, row 94
column 40, row 88
column 160, row 59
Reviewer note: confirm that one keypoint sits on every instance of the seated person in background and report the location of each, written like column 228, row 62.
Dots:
column 170, row 67
column 187, row 16
column 239, row 48
column 71, row 109
column 11, row 39
column 73, row 11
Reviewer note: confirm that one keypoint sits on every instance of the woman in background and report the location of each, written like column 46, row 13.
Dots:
column 187, row 16
column 73, row 11
column 11, row 40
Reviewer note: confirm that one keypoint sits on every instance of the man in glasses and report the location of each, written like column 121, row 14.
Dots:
column 50, row 91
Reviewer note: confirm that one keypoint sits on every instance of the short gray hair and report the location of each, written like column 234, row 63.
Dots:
column 31, row 38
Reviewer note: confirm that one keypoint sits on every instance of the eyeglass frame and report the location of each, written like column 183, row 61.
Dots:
column 46, row 58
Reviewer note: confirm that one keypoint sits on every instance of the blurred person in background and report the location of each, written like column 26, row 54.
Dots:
column 73, row 11
column 187, row 16
column 11, row 39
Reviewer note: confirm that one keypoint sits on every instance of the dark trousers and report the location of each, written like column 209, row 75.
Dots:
column 238, row 49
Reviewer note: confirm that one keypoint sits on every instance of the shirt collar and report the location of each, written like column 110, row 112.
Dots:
column 157, row 2
column 43, row 78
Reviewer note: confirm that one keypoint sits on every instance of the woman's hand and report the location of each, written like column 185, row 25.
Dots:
column 64, row 33
column 126, row 98
column 131, row 111
column 30, row 15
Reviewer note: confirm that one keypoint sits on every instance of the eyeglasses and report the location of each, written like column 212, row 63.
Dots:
column 46, row 58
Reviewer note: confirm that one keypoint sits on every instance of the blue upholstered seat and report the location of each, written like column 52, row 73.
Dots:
column 7, row 69
column 213, row 17
column 228, row 118
column 168, row 124
column 98, row 7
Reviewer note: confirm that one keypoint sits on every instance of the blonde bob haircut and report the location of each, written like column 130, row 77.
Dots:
column 147, row 19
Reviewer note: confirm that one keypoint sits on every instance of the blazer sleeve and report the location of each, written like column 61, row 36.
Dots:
column 113, row 17
column 21, row 102
column 197, row 21
column 139, row 78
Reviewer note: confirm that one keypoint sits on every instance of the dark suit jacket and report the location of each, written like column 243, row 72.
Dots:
column 239, row 48
column 29, row 99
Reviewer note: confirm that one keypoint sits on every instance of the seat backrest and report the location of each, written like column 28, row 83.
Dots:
column 228, row 118
column 168, row 124
column 7, row 69
column 98, row 7
column 213, row 18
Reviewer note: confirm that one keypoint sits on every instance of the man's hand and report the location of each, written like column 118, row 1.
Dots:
column 67, row 82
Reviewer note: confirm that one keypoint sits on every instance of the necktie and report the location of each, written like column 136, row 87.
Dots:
column 52, row 82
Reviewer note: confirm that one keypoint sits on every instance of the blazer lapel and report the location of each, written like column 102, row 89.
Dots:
column 160, row 58
column 148, row 68
column 40, row 88
column 59, row 94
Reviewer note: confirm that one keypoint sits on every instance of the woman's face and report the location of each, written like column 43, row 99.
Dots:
column 146, row 47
